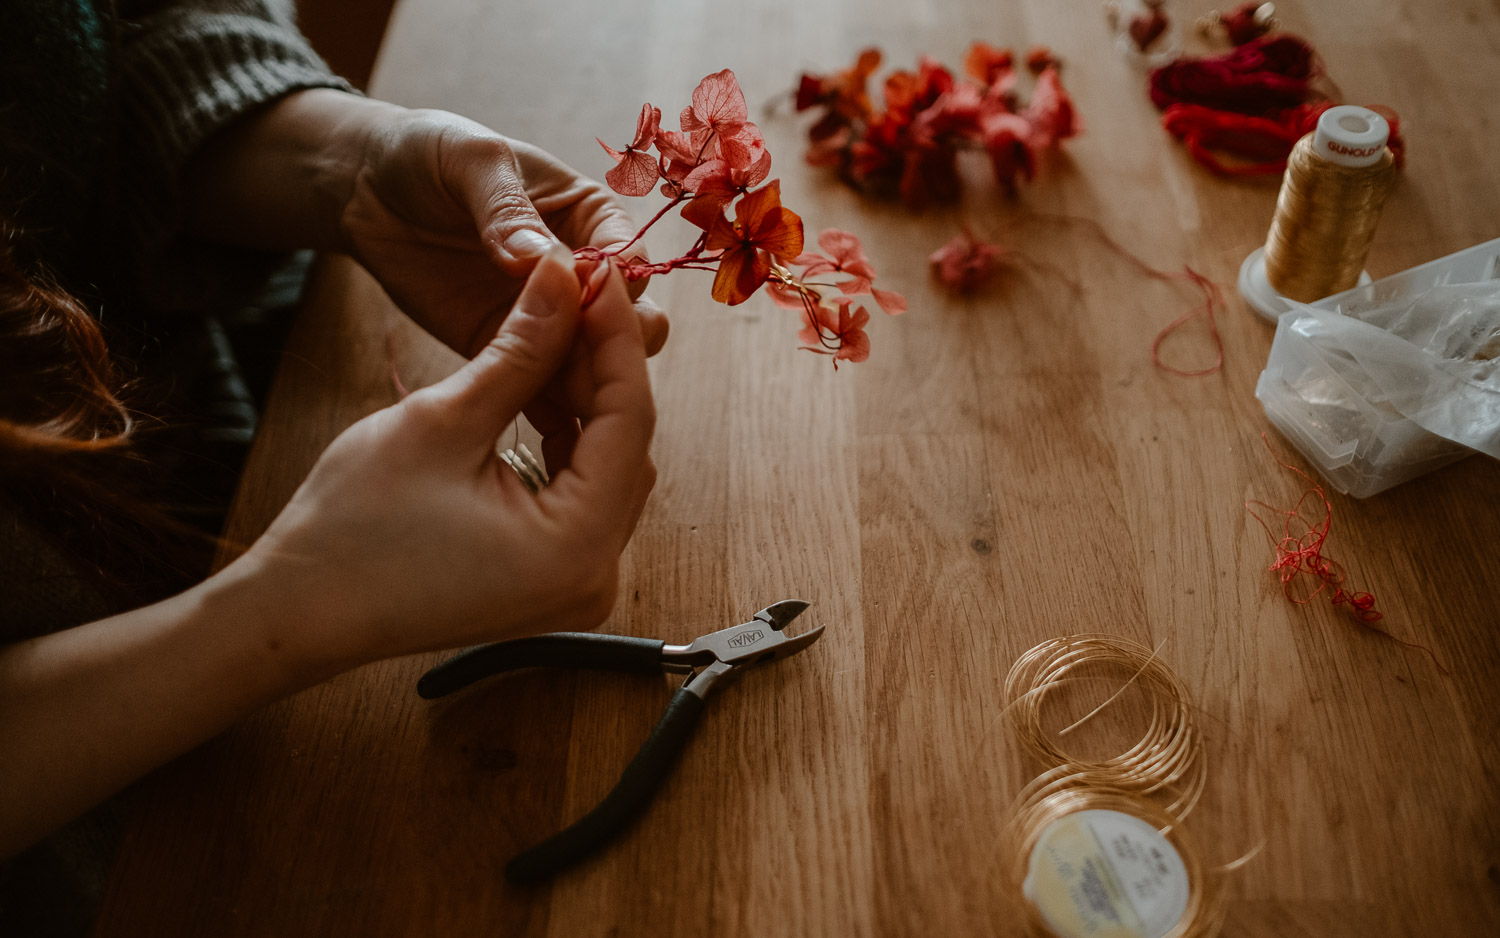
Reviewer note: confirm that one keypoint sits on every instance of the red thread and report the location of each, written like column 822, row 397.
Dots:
column 1299, row 555
column 1267, row 74
column 1266, row 141
column 1213, row 297
column 1253, row 103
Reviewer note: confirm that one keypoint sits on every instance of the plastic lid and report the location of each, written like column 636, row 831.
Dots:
column 1351, row 135
column 1104, row 874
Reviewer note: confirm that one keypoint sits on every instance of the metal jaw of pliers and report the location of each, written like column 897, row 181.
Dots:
column 709, row 659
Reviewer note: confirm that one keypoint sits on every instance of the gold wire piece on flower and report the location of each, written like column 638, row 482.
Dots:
column 525, row 465
column 1061, row 793
column 1168, row 759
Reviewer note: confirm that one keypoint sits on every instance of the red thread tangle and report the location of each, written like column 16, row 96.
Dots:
column 1299, row 555
column 1253, row 103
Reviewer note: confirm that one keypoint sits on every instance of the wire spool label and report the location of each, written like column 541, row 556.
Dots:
column 1104, row 874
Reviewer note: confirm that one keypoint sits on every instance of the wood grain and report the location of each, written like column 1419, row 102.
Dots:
column 1006, row 468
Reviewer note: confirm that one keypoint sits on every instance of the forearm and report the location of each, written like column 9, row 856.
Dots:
column 279, row 178
column 85, row 711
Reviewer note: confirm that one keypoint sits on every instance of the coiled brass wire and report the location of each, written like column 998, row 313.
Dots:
column 1325, row 219
column 1168, row 758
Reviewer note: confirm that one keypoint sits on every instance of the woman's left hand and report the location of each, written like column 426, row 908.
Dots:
column 451, row 217
column 448, row 215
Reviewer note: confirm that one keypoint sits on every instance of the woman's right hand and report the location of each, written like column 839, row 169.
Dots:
column 410, row 534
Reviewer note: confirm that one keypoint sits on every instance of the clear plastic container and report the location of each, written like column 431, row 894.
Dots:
column 1344, row 424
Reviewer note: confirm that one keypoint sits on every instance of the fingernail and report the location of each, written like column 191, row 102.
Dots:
column 524, row 242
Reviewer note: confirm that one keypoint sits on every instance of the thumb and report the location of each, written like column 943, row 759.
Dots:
column 509, row 224
column 486, row 394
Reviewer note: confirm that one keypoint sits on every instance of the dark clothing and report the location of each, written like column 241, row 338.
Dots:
column 101, row 105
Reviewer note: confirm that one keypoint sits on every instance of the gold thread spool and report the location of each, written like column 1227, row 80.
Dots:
column 1055, row 797
column 1167, row 758
column 1326, row 212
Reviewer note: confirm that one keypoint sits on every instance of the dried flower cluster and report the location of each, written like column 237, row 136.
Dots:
column 911, row 146
column 712, row 166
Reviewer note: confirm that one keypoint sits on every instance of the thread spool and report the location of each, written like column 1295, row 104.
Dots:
column 1336, row 181
column 1095, row 860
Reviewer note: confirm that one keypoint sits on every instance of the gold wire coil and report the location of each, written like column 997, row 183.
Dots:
column 1325, row 220
column 1062, row 792
column 1167, row 760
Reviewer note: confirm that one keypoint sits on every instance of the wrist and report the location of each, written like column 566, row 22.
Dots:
column 280, row 178
column 287, row 634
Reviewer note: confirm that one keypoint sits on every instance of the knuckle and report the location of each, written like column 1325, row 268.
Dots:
column 519, row 345
column 509, row 201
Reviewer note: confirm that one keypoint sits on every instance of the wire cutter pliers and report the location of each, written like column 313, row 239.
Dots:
column 708, row 659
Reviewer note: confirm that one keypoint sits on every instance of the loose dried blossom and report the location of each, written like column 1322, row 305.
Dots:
column 967, row 263
column 713, row 165
column 930, row 116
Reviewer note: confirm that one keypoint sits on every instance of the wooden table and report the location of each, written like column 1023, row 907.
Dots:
column 1004, row 469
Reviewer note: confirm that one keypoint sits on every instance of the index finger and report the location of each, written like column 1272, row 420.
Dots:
column 611, row 453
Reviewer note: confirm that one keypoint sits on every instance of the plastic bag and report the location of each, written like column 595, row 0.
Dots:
column 1394, row 379
column 1435, row 361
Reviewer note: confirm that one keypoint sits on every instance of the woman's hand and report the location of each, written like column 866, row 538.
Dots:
column 448, row 215
column 411, row 534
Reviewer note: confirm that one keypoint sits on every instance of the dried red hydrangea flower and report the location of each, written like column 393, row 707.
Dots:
column 716, row 164
column 911, row 146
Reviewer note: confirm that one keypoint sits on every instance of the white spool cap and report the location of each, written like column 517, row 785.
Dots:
column 1350, row 135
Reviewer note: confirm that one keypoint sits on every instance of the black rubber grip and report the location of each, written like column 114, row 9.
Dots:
column 629, row 798
column 556, row 650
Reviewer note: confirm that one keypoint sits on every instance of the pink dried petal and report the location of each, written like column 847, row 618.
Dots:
column 634, row 175
column 892, row 302
column 716, row 100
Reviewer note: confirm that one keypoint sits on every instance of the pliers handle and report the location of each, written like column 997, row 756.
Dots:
column 708, row 658
column 642, row 777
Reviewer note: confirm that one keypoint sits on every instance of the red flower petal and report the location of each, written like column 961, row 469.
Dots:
column 741, row 272
column 815, row 264
column 646, row 127
column 841, row 245
column 854, row 344
column 635, row 175
column 756, row 173
column 716, row 99
column 859, row 286
column 1051, row 110
column 706, row 212
column 780, row 233
column 892, row 302
column 784, row 296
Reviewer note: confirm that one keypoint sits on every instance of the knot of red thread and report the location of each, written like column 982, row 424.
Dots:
column 1363, row 604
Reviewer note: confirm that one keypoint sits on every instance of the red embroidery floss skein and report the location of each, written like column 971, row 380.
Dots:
column 1335, row 184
